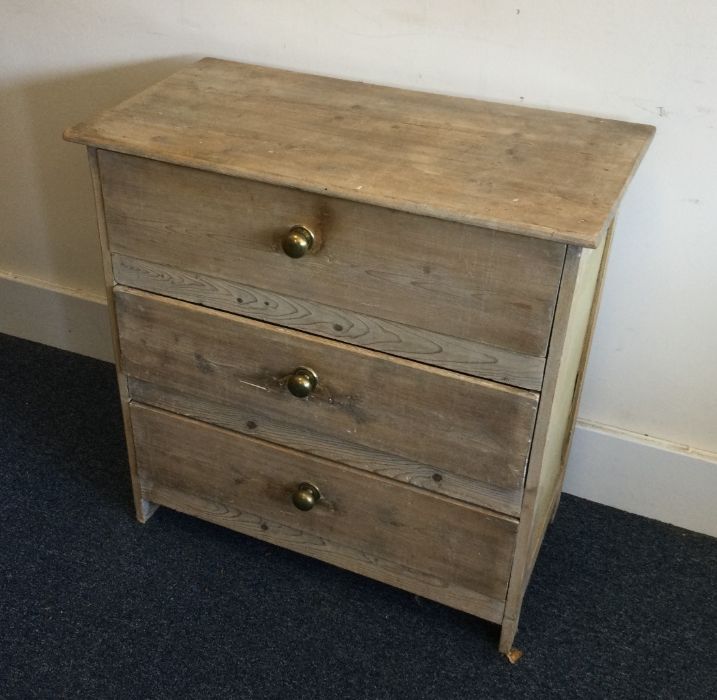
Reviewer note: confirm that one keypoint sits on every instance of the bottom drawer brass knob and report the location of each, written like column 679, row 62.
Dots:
column 306, row 496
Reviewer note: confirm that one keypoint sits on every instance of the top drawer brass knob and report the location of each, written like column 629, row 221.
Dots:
column 297, row 242
column 302, row 382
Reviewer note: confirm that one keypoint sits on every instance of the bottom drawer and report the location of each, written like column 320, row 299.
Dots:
column 441, row 549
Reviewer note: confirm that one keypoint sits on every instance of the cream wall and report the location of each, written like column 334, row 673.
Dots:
column 653, row 370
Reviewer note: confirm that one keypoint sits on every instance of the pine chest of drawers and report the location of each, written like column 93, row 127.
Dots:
column 352, row 320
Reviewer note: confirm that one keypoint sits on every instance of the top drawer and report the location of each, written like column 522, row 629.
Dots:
column 456, row 296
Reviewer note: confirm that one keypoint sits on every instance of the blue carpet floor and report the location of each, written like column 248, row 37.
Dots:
column 94, row 605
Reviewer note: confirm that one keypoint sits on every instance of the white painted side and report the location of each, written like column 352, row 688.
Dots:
column 64, row 318
column 654, row 478
column 652, row 368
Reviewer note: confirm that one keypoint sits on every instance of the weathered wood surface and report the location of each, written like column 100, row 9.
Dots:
column 527, row 171
column 448, row 551
column 447, row 278
column 470, row 427
column 249, row 421
column 143, row 509
column 464, row 356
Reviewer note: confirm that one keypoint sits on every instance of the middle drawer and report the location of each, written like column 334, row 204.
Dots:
column 465, row 437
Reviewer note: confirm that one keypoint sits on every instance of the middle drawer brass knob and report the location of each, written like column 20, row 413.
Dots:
column 298, row 242
column 302, row 382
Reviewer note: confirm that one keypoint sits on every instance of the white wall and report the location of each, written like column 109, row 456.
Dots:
column 653, row 369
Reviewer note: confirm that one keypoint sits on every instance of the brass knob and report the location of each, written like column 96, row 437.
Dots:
column 306, row 496
column 298, row 242
column 302, row 382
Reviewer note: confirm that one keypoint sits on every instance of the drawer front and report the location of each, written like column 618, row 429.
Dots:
column 447, row 551
column 458, row 435
column 447, row 294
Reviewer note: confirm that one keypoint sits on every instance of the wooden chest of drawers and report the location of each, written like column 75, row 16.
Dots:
column 352, row 320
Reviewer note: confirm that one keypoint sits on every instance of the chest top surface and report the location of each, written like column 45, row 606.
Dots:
column 533, row 172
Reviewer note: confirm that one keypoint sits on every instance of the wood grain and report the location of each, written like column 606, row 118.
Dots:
column 527, row 171
column 143, row 508
column 450, row 552
column 249, row 421
column 473, row 358
column 469, row 427
column 447, row 278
